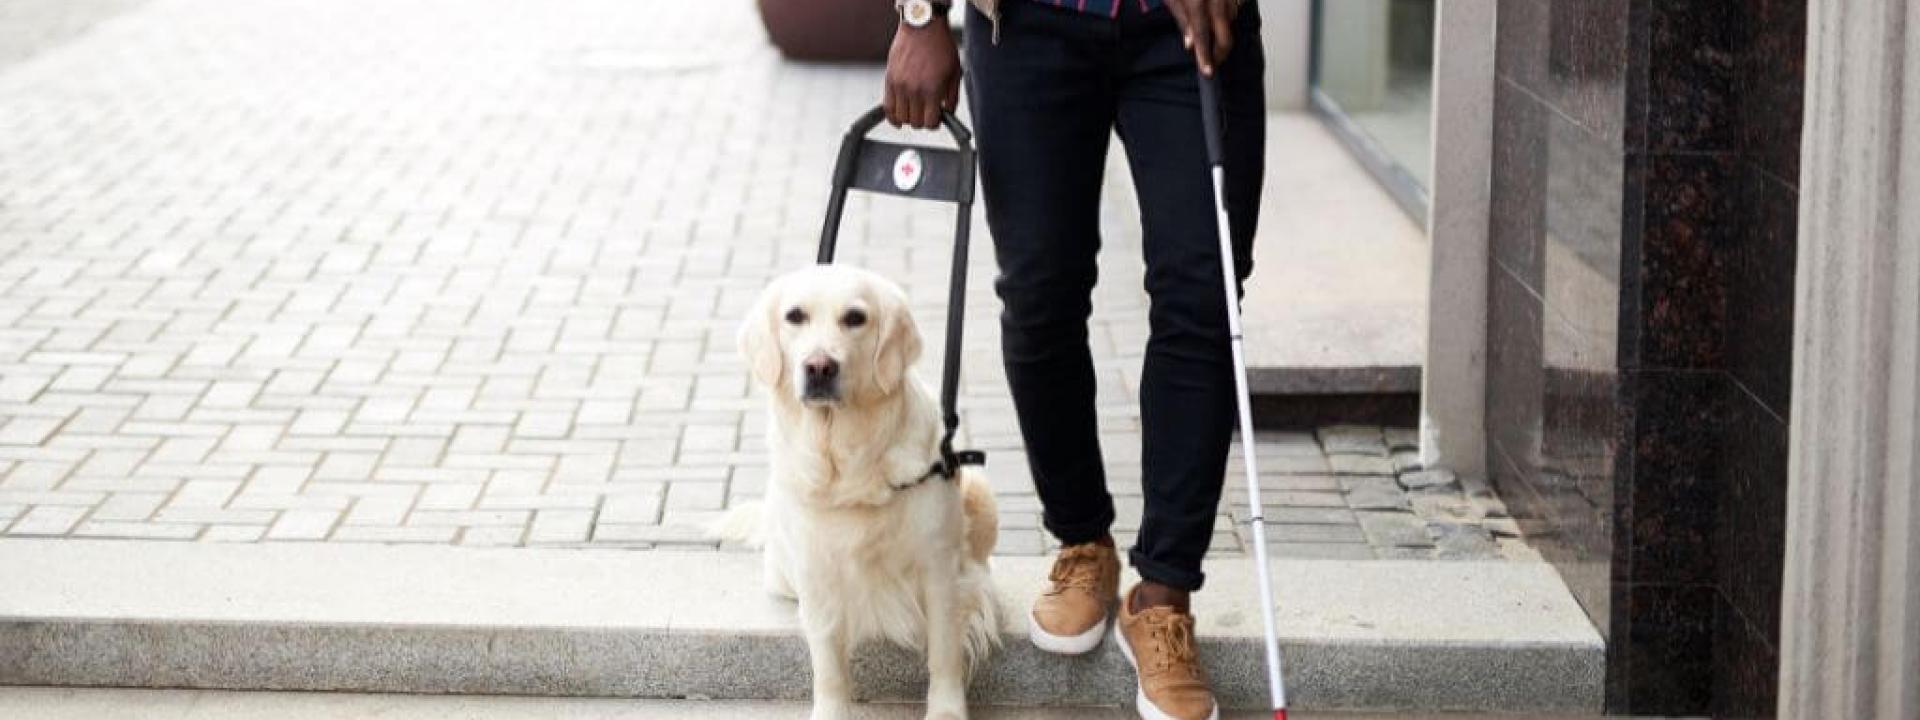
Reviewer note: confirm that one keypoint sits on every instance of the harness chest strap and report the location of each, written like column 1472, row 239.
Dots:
column 945, row 471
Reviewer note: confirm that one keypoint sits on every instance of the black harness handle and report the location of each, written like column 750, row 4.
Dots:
column 923, row 173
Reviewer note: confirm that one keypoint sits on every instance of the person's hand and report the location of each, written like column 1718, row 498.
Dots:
column 1207, row 29
column 923, row 75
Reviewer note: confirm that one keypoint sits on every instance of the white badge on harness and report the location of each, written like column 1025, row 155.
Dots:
column 907, row 170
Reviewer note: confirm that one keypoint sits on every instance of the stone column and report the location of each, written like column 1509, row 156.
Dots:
column 1287, row 31
column 1453, row 395
column 1850, row 636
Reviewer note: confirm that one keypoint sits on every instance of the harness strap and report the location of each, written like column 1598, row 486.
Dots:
column 950, row 461
column 946, row 469
column 853, row 148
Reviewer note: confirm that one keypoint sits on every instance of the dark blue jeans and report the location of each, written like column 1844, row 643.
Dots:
column 1045, row 99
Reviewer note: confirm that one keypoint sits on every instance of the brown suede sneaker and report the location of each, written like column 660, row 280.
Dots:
column 1071, row 616
column 1159, row 642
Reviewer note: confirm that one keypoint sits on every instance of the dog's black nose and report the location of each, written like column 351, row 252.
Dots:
column 822, row 368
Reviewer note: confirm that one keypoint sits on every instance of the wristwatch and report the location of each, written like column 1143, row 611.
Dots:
column 918, row 13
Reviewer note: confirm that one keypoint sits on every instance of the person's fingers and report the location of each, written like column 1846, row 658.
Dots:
column 890, row 99
column 910, row 108
column 1201, row 31
column 930, row 110
column 953, row 93
column 1182, row 18
column 1222, row 29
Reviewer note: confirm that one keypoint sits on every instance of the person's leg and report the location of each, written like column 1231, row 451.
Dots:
column 1187, row 385
column 1042, row 111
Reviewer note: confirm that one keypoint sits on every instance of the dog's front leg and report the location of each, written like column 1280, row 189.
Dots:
column 827, row 648
column 946, row 651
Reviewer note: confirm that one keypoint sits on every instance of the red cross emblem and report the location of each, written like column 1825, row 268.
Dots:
column 907, row 169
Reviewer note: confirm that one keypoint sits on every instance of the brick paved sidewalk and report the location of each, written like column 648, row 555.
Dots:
column 464, row 271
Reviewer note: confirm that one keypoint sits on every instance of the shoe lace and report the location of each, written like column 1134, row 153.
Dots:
column 1078, row 566
column 1173, row 632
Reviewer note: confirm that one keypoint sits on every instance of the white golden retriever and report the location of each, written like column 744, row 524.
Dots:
column 853, row 528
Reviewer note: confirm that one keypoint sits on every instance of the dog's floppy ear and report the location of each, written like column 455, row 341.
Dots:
column 898, row 345
column 759, row 339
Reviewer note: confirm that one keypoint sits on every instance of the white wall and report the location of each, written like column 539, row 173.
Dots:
column 1286, row 30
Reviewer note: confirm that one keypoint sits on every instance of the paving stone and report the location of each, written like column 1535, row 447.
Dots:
column 303, row 525
column 1424, row 479
column 1481, row 493
column 1399, row 439
column 1405, row 461
column 29, row 430
column 1281, row 465
column 233, row 533
column 403, row 324
column 493, row 536
column 1458, row 541
column 1320, row 551
column 689, row 495
column 1314, row 533
column 638, row 509
column 1444, row 504
column 653, row 534
column 1293, row 482
column 1395, row 529
column 1360, row 465
column 560, row 526
column 380, row 510
column 393, row 534
column 448, row 496
column 213, row 515
column 35, row 475
column 47, row 520
column 1307, row 515
column 490, row 518
column 129, row 506
column 1021, row 542
column 136, row 530
column 1375, row 493
column 1276, row 442
column 1501, row 527
column 1294, row 498
column 1353, row 440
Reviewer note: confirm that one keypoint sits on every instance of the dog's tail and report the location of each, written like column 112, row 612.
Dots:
column 744, row 524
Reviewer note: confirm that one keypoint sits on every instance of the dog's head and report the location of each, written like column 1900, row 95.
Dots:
column 829, row 336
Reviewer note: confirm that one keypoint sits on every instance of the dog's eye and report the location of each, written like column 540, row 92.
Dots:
column 854, row 318
column 797, row 316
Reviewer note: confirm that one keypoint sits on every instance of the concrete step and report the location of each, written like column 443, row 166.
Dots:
column 1379, row 635
column 50, row 703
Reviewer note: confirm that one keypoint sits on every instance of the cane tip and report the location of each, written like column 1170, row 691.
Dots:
column 1280, row 714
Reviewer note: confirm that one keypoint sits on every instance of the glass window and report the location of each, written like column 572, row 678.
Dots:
column 1373, row 73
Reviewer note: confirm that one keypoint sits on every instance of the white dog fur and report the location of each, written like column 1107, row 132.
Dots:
column 865, row 560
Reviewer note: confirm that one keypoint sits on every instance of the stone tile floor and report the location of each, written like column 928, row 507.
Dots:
column 467, row 271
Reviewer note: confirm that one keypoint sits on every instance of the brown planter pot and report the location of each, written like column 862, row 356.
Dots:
column 842, row 30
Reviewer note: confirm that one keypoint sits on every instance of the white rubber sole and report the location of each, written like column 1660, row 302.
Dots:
column 1080, row 644
column 1146, row 709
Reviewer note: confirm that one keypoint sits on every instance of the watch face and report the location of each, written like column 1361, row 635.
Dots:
column 918, row 12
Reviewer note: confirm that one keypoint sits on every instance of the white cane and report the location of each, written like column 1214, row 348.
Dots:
column 1210, row 114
